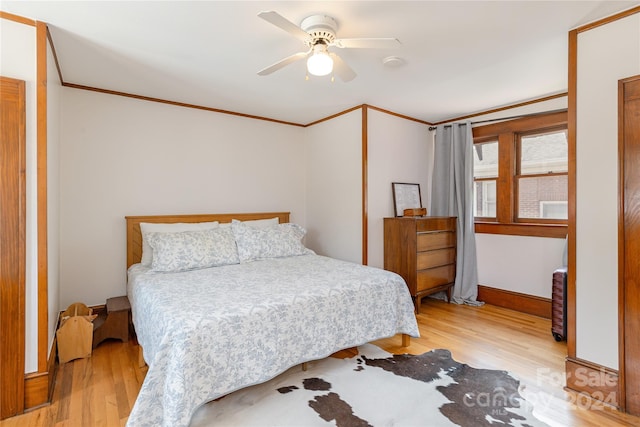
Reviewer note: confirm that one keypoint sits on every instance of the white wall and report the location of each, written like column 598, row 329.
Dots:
column 399, row 150
column 121, row 156
column 519, row 263
column 333, row 163
column 53, row 194
column 605, row 54
column 18, row 61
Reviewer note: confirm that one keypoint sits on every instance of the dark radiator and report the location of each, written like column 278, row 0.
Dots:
column 559, row 304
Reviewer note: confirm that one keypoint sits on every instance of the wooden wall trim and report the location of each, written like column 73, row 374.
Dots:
column 608, row 19
column 42, row 214
column 402, row 116
column 505, row 108
column 333, row 116
column 543, row 120
column 572, row 199
column 324, row 119
column 530, row 304
column 38, row 386
column 52, row 364
column 628, row 250
column 12, row 246
column 590, row 379
column 178, row 104
column 556, row 231
column 16, row 18
column 55, row 55
column 36, row 390
column 365, row 185
column 621, row 248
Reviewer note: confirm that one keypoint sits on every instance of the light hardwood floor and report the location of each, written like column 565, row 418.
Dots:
column 100, row 391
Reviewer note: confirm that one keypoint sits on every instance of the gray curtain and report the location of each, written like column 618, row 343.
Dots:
column 452, row 195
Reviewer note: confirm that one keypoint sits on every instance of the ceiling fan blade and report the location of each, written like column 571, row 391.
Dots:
column 367, row 43
column 282, row 63
column 341, row 68
column 283, row 23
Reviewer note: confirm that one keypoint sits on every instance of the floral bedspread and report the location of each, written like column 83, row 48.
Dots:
column 208, row 332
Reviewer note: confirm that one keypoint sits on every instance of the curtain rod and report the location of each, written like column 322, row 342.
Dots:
column 507, row 118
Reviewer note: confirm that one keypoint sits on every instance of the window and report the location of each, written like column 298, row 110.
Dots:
column 557, row 210
column 520, row 173
column 485, row 174
column 542, row 165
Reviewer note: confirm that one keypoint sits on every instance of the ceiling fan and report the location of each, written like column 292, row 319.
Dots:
column 318, row 33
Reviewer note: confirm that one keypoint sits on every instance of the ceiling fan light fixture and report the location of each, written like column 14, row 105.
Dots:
column 318, row 33
column 320, row 63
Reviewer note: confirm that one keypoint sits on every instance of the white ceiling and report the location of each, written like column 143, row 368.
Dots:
column 461, row 56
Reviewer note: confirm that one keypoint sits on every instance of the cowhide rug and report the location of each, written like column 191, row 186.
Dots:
column 376, row 388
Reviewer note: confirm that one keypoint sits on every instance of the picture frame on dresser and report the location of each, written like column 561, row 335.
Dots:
column 405, row 196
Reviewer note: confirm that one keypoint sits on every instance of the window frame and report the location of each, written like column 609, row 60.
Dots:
column 495, row 181
column 508, row 134
column 518, row 175
column 489, row 178
column 552, row 203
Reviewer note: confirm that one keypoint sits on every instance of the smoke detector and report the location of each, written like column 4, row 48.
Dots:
column 393, row 61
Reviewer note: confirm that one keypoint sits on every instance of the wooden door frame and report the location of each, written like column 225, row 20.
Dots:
column 623, row 288
column 12, row 302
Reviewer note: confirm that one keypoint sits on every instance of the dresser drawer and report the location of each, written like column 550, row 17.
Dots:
column 435, row 277
column 435, row 258
column 436, row 240
column 436, row 223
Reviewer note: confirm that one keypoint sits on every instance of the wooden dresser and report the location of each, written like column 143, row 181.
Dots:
column 423, row 251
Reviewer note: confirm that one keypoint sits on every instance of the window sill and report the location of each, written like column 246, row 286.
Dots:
column 558, row 231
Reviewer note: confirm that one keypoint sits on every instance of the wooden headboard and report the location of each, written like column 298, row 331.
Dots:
column 134, row 236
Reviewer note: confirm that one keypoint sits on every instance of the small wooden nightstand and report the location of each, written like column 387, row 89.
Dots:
column 114, row 323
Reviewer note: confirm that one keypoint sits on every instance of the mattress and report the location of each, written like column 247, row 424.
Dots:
column 208, row 332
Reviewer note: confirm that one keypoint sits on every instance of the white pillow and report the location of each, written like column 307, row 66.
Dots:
column 261, row 223
column 281, row 240
column 255, row 223
column 146, row 227
column 189, row 250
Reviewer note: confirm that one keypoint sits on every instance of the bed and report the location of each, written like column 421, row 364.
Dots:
column 208, row 330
